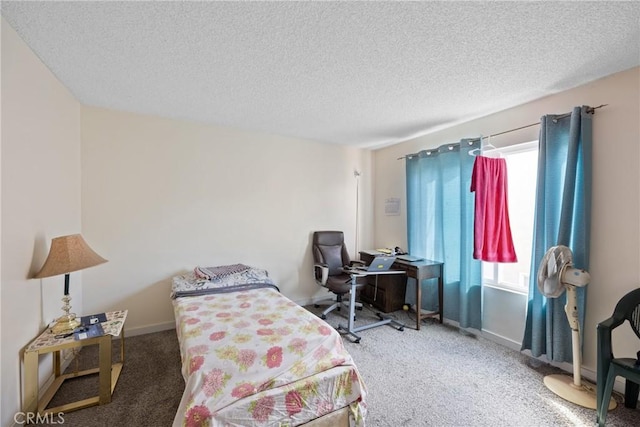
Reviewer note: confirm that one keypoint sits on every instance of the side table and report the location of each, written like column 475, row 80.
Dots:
column 47, row 343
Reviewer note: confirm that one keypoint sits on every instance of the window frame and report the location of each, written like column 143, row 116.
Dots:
column 494, row 280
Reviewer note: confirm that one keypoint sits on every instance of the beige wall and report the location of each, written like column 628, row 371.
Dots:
column 160, row 197
column 615, row 234
column 40, row 193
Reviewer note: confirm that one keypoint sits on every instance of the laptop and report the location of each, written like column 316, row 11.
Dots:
column 379, row 263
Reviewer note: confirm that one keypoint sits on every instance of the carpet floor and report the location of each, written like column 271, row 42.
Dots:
column 438, row 376
column 441, row 376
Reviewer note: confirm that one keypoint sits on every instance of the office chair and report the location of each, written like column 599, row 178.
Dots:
column 330, row 255
column 628, row 308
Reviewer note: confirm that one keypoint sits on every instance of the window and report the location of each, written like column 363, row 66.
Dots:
column 522, row 165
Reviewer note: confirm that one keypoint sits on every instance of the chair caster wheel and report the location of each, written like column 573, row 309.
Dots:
column 359, row 308
column 357, row 341
column 316, row 305
column 401, row 329
column 323, row 317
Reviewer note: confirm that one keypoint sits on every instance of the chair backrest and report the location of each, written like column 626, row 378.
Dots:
column 329, row 248
column 629, row 308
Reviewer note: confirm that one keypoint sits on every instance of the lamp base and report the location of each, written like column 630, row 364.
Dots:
column 65, row 324
column 583, row 395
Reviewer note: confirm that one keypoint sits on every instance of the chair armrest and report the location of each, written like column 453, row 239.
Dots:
column 604, row 353
column 321, row 272
column 612, row 322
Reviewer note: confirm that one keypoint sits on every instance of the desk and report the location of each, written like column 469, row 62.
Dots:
column 350, row 329
column 419, row 270
column 108, row 373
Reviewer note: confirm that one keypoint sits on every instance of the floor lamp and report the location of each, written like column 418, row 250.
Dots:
column 356, row 175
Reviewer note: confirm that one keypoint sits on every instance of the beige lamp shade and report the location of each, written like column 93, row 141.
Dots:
column 67, row 254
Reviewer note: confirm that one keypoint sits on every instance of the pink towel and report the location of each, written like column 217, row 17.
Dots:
column 492, row 232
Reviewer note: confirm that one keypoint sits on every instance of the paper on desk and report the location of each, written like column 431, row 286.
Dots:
column 372, row 252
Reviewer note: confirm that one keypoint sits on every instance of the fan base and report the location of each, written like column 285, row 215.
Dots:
column 583, row 395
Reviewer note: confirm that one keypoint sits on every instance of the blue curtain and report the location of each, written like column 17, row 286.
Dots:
column 440, row 209
column 562, row 217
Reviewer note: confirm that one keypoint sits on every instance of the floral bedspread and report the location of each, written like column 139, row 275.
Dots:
column 256, row 358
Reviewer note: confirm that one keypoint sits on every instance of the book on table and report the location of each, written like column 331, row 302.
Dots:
column 93, row 319
column 91, row 331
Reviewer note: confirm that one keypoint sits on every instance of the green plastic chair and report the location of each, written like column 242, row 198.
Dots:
column 628, row 308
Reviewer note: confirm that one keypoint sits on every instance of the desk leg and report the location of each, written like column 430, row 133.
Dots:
column 440, row 312
column 122, row 346
column 418, row 303
column 352, row 308
column 440, row 297
column 351, row 329
column 352, row 312
column 105, row 369
column 352, row 303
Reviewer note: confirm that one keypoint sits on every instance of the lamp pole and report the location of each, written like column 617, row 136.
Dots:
column 356, row 175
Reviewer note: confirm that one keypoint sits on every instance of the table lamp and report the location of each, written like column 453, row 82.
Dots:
column 68, row 254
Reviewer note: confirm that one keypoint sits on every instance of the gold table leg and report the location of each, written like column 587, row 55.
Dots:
column 30, row 402
column 105, row 369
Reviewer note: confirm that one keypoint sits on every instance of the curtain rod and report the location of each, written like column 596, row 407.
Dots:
column 590, row 110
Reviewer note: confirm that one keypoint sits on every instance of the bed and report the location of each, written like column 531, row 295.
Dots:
column 252, row 357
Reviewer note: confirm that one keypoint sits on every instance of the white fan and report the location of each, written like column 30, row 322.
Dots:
column 555, row 275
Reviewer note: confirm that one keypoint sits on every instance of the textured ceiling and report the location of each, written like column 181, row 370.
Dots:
column 361, row 73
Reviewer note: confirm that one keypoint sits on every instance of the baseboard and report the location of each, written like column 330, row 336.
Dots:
column 149, row 329
column 499, row 339
column 315, row 300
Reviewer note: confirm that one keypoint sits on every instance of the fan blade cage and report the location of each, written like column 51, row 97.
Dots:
column 554, row 262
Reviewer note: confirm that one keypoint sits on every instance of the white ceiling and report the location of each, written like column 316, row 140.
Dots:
column 362, row 73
